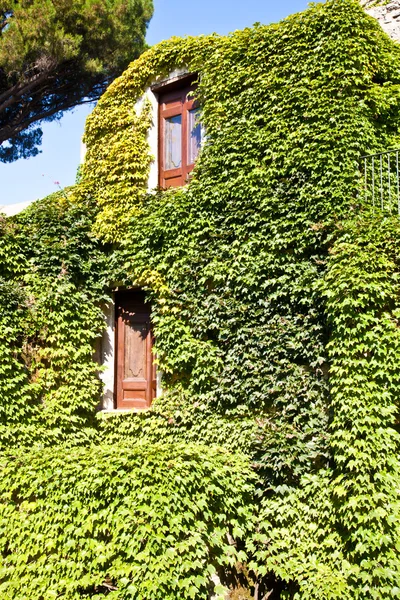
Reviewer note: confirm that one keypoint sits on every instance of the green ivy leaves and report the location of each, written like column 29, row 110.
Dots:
column 87, row 522
column 276, row 319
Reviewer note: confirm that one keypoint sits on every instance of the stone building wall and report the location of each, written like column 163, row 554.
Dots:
column 388, row 15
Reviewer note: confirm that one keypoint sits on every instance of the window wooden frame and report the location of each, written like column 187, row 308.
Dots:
column 173, row 100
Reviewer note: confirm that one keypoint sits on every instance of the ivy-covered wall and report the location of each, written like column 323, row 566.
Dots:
column 275, row 308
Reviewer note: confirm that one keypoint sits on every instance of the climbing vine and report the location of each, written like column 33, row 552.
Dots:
column 53, row 277
column 275, row 309
column 111, row 531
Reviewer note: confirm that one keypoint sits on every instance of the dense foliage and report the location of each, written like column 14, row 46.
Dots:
column 274, row 295
column 52, row 283
column 55, row 54
column 337, row 534
column 114, row 521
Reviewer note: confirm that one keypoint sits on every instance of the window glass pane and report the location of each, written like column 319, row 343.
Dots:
column 194, row 130
column 173, row 142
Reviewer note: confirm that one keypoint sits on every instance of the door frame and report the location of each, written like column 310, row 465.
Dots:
column 151, row 383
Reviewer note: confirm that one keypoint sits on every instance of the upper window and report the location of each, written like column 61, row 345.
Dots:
column 179, row 134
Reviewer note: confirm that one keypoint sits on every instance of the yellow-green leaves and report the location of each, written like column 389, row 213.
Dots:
column 275, row 314
column 139, row 521
column 362, row 292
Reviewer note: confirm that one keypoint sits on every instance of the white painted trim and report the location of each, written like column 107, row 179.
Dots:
column 13, row 209
column 107, row 358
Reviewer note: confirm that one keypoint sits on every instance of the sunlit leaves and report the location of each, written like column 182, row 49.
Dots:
column 144, row 521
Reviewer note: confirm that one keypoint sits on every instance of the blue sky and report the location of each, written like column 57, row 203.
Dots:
column 56, row 166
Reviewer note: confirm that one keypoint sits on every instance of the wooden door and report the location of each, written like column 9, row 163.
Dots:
column 135, row 369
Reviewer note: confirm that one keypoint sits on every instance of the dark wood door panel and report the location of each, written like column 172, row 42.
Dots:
column 135, row 371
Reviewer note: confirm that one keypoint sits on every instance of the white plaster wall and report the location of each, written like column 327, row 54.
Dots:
column 107, row 358
column 14, row 209
column 152, row 138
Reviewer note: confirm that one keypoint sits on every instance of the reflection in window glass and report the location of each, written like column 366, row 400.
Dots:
column 194, row 131
column 173, row 142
